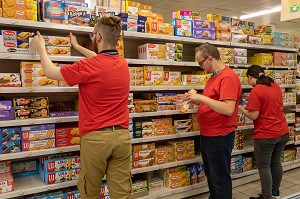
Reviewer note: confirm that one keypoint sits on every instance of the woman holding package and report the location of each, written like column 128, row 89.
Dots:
column 265, row 108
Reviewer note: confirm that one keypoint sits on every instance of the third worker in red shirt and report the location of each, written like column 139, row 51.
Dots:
column 217, row 117
column 265, row 108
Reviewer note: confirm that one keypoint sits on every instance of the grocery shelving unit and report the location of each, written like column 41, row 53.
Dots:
column 33, row 184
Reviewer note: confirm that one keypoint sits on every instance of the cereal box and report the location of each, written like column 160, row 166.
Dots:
column 66, row 132
column 152, row 52
column 10, row 80
column 15, row 41
column 62, row 164
column 78, row 15
column 172, row 78
column 61, row 176
column 39, row 132
column 12, row 146
column 183, row 27
column 7, row 134
column 38, row 102
column 38, row 145
column 20, row 9
column 67, row 141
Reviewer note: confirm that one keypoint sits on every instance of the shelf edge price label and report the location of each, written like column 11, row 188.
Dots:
column 23, row 193
column 7, row 57
column 28, row 155
column 14, row 22
column 31, row 122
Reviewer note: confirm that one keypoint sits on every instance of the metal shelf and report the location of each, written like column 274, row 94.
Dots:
column 160, row 113
column 39, row 90
column 247, row 149
column 11, row 56
column 165, row 88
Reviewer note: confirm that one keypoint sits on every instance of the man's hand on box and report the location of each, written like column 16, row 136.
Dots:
column 193, row 98
column 73, row 40
column 38, row 42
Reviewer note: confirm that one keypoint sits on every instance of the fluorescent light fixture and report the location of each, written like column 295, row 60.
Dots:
column 263, row 12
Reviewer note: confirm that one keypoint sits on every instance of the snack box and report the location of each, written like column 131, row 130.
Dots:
column 67, row 141
column 39, row 132
column 66, row 132
column 64, row 114
column 156, row 183
column 165, row 29
column 62, row 164
column 42, row 159
column 170, row 56
column 184, row 129
column 6, row 182
column 12, row 146
column 41, row 81
column 143, row 163
column 165, row 98
column 201, row 24
column 183, row 14
column 205, row 34
column 223, row 26
column 38, row 145
column 183, row 27
column 15, row 41
column 152, row 51
column 267, row 39
column 153, row 78
column 57, row 41
column 25, row 168
column 8, row 134
column 239, row 38
column 101, row 11
column 6, row 111
column 55, row 50
column 240, row 52
column 78, row 15
column 182, row 123
column 166, row 107
column 20, row 9
column 223, row 36
column 194, row 80
column 38, row 102
column 240, row 60
column 60, row 176
column 5, row 167
column 226, row 51
column 172, row 78
column 179, row 48
column 254, row 40
column 143, row 154
column 227, row 59
column 31, row 113
column 10, row 80
column 72, row 195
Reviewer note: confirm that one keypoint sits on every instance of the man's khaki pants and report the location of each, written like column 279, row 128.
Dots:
column 105, row 152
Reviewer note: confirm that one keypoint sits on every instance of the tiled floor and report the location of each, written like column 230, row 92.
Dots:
column 290, row 185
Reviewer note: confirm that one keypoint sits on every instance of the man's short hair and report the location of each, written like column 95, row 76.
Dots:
column 207, row 49
column 110, row 27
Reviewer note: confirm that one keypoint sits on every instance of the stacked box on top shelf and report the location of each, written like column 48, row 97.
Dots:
column 227, row 55
column 239, row 30
column 38, row 137
column 33, row 75
column 26, row 108
column 133, row 23
column 6, row 178
column 143, row 155
column 290, row 39
column 67, row 136
column 183, row 24
column 222, row 25
column 10, row 140
column 280, row 39
column 240, row 56
column 204, row 30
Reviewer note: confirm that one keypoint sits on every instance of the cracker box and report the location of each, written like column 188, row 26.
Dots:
column 152, row 52
column 12, row 146
column 183, row 27
column 25, row 168
column 78, row 15
column 23, row 103
column 39, row 82
column 38, row 145
column 62, row 164
column 205, row 34
column 66, row 132
column 6, row 182
column 61, row 176
column 166, row 98
column 143, row 163
column 165, row 29
column 194, row 80
column 7, row 134
column 10, row 80
column 15, row 41
column 201, row 24
column 5, row 167
column 31, row 69
column 39, row 132
column 55, row 50
column 20, row 9
column 67, row 141
column 57, row 41
column 143, row 154
column 153, row 78
column 172, row 78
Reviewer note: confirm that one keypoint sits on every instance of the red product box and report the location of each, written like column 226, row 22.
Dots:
column 5, row 167
column 66, row 132
column 6, row 182
column 71, row 141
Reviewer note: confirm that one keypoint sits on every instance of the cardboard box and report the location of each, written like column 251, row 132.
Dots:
column 57, row 41
column 153, row 78
column 165, row 29
column 12, row 146
column 201, row 24
column 62, row 164
column 226, row 51
column 66, row 132
column 39, row 82
column 223, row 36
column 183, row 27
column 183, row 14
column 24, row 103
column 5, row 167
column 164, row 154
column 38, row 132
column 15, row 41
column 67, row 141
column 239, row 38
column 42, row 159
column 38, row 145
column 254, row 40
column 25, row 168
column 101, row 11
column 8, row 134
column 20, row 9
column 267, row 39
column 172, row 78
column 78, row 15
column 152, row 52
column 143, row 163
column 6, row 110
column 55, row 50
column 194, row 80
column 60, row 176
column 182, row 123
column 240, row 52
column 10, row 80
column 6, row 182
column 204, row 34
column 240, row 60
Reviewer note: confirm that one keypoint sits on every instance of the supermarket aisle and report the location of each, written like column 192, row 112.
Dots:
column 289, row 186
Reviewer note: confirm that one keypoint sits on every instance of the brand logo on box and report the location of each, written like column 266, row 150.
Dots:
column 51, row 178
column 51, row 166
column 9, row 33
column 10, row 45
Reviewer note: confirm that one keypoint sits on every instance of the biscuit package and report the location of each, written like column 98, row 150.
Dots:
column 183, row 27
column 67, row 141
column 38, row 132
column 15, row 41
column 57, row 41
column 23, row 103
column 59, row 176
column 10, row 80
column 6, row 110
column 78, row 15
column 62, row 164
column 31, row 113
column 152, row 52
column 20, row 9
column 67, row 132
column 38, row 145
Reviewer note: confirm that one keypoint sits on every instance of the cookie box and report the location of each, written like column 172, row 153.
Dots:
column 194, row 80
column 165, row 29
column 10, row 80
column 66, row 132
column 143, row 163
column 101, row 11
column 60, row 176
column 240, row 60
column 6, row 182
column 38, row 145
column 172, row 78
column 62, row 164
column 64, row 114
column 205, row 34
column 8, row 134
column 42, row 159
column 156, row 183
column 166, row 98
column 170, row 56
column 227, row 59
column 223, row 26
column 267, row 39
column 12, row 146
column 31, row 113
column 226, row 51
column 239, row 38
column 5, row 167
column 7, row 113
column 153, row 78
column 78, row 15
column 238, row 26
column 240, row 52
column 179, row 48
column 40, row 132
column 67, row 141
column 143, row 154
column 53, row 11
column 15, row 41
column 254, row 40
column 25, row 168
column 38, row 102
column 20, row 9
column 184, row 129
column 166, row 107
column 223, row 36
column 54, row 50
column 183, row 27
column 183, row 14
column 201, row 24
column 72, row 195
column 182, row 123
column 152, row 51
column 57, row 41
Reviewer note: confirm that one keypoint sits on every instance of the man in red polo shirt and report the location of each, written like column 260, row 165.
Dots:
column 217, row 117
column 103, row 81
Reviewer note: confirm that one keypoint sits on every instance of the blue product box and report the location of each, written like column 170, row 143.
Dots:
column 8, row 134
column 72, row 195
column 237, row 158
column 25, row 168
column 61, row 176
column 38, row 127
column 183, row 28
column 12, row 146
column 62, row 164
column 38, row 132
column 280, row 35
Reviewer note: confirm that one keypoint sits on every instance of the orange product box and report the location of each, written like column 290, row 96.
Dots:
column 164, row 154
column 67, row 141
column 143, row 163
column 66, row 132
column 20, row 9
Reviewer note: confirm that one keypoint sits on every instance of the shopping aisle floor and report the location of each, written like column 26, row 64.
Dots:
column 290, row 185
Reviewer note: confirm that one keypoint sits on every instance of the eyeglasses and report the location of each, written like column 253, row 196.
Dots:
column 92, row 35
column 200, row 63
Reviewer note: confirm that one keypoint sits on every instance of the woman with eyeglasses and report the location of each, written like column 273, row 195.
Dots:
column 265, row 108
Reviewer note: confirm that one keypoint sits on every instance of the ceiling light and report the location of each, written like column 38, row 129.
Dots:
column 263, row 12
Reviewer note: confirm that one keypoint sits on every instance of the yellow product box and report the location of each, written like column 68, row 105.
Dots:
column 32, row 69
column 240, row 72
column 39, row 81
column 267, row 39
column 159, row 131
column 261, row 59
column 228, row 59
column 172, row 78
column 166, row 29
column 226, row 51
column 213, row 17
column 153, row 68
column 152, row 51
column 194, row 80
column 177, row 180
column 20, row 9
column 132, row 7
column 164, row 154
column 153, row 78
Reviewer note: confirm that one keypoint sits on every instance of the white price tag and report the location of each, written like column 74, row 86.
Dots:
column 14, row 22
column 23, row 193
column 7, row 57
column 30, row 90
